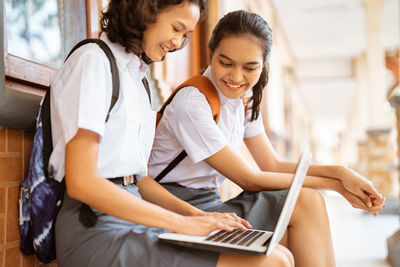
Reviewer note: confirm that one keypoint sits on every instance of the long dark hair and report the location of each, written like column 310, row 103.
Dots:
column 241, row 23
column 124, row 21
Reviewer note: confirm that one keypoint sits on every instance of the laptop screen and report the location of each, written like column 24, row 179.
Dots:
column 291, row 199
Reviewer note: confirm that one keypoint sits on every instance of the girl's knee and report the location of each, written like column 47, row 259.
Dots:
column 284, row 256
column 311, row 200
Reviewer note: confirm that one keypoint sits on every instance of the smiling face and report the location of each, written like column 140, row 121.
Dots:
column 173, row 26
column 236, row 64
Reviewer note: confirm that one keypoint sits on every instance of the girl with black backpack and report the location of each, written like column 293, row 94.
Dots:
column 113, row 212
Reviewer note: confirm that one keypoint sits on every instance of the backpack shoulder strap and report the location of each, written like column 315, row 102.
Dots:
column 46, row 121
column 113, row 67
column 207, row 88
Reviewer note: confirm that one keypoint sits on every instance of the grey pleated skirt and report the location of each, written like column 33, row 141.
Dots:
column 260, row 209
column 115, row 242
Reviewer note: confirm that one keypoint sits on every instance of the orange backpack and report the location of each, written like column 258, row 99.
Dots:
column 207, row 88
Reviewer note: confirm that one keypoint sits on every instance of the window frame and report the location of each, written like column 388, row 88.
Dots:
column 32, row 77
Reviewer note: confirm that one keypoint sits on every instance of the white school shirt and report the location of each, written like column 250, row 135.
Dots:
column 81, row 97
column 187, row 124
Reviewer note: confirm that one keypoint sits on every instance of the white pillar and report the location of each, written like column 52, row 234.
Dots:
column 375, row 65
column 357, row 122
column 362, row 100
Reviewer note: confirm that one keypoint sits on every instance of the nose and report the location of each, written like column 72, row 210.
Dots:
column 236, row 74
column 177, row 41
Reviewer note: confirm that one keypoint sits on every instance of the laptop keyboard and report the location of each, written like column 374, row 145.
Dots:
column 236, row 237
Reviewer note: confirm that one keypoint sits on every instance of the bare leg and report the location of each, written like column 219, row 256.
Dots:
column 308, row 236
column 285, row 239
column 280, row 257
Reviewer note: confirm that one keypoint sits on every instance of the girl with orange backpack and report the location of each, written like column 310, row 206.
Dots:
column 240, row 48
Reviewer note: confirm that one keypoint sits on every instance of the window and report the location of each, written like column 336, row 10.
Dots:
column 35, row 37
column 39, row 34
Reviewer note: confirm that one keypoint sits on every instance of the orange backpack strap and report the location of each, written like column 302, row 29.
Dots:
column 206, row 87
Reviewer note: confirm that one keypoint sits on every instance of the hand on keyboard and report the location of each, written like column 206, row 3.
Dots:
column 210, row 221
column 240, row 220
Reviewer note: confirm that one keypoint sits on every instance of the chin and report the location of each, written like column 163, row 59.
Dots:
column 153, row 57
column 236, row 96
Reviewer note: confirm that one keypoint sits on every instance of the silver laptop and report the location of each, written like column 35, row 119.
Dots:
column 251, row 241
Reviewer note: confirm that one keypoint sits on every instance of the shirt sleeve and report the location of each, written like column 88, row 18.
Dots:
column 253, row 128
column 189, row 118
column 83, row 93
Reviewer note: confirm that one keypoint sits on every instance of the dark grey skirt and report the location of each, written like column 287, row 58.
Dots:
column 115, row 242
column 260, row 209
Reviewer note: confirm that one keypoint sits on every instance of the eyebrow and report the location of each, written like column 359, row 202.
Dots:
column 247, row 63
column 184, row 28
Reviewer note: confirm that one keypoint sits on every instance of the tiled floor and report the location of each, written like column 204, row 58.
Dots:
column 360, row 239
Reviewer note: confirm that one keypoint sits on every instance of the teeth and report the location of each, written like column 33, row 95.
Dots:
column 231, row 85
column 164, row 48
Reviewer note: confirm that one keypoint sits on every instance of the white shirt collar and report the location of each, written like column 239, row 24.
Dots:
column 222, row 98
column 124, row 58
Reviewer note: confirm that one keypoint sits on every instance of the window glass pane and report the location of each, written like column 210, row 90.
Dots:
column 44, row 30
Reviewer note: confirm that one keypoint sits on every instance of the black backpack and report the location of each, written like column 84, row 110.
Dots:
column 40, row 195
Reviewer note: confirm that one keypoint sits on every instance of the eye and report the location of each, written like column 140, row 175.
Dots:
column 175, row 28
column 225, row 64
column 250, row 69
